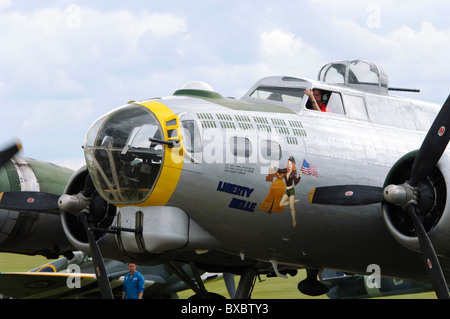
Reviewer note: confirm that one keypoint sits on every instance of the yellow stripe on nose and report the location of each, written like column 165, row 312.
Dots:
column 173, row 157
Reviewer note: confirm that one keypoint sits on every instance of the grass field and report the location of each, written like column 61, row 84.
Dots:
column 280, row 288
column 14, row 262
column 265, row 288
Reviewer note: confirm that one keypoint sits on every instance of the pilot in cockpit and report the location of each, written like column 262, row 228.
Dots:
column 316, row 99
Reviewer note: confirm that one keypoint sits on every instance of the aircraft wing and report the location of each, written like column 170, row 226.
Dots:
column 343, row 286
column 26, row 285
column 49, row 285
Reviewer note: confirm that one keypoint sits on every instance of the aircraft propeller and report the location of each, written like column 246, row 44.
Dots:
column 229, row 284
column 406, row 195
column 8, row 152
column 27, row 201
column 81, row 206
column 30, row 201
column 45, row 202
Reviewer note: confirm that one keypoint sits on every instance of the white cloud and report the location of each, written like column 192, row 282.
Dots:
column 162, row 25
column 58, row 114
column 78, row 60
column 425, row 46
column 5, row 4
column 286, row 53
column 413, row 56
column 72, row 163
column 43, row 47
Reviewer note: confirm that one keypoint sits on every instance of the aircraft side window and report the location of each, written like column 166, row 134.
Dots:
column 317, row 100
column 241, row 146
column 335, row 104
column 275, row 97
column 191, row 136
column 355, row 106
column 270, row 150
column 278, row 94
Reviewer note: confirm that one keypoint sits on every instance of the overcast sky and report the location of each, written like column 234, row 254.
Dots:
column 65, row 63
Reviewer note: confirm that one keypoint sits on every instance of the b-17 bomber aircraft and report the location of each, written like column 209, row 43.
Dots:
column 334, row 173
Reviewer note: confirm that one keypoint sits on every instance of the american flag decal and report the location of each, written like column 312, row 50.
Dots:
column 309, row 169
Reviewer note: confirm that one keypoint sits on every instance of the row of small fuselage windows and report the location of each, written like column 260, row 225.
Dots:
column 260, row 124
column 244, row 122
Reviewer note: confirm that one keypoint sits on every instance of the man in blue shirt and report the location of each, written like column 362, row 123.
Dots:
column 133, row 284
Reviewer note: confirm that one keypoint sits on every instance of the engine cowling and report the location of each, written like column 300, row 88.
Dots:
column 102, row 216
column 27, row 232
column 433, row 209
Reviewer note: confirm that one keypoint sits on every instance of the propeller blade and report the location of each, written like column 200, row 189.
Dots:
column 29, row 201
column 89, row 187
column 429, row 255
column 346, row 195
column 433, row 145
column 230, row 284
column 99, row 265
column 9, row 152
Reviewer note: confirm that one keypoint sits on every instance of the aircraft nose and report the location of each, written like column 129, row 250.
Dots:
column 133, row 154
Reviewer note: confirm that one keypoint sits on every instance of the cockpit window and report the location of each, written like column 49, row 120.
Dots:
column 124, row 163
column 330, row 101
column 279, row 94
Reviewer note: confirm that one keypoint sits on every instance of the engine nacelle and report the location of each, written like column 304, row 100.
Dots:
column 433, row 209
column 28, row 232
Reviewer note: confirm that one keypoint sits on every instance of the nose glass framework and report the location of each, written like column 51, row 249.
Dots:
column 122, row 159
